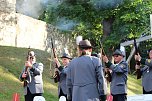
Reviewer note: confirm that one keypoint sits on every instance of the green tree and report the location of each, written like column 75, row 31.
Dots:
column 112, row 20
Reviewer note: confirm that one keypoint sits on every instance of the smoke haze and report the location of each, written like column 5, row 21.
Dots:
column 65, row 24
column 104, row 4
column 32, row 8
column 54, row 3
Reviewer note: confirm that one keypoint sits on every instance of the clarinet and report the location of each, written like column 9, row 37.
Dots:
column 26, row 68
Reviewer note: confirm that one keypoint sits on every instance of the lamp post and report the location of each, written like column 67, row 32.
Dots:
column 78, row 39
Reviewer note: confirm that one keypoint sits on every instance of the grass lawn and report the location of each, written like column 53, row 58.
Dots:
column 11, row 64
column 134, row 85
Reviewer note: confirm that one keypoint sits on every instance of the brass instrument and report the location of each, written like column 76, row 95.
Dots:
column 56, row 75
column 26, row 68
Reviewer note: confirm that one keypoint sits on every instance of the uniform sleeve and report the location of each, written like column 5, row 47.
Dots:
column 20, row 76
column 143, row 68
column 120, row 68
column 60, row 68
column 100, row 77
column 37, row 69
column 69, row 82
column 148, row 62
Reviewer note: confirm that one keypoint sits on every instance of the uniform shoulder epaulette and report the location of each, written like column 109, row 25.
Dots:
column 123, row 65
column 148, row 60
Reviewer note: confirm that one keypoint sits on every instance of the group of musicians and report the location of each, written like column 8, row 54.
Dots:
column 84, row 78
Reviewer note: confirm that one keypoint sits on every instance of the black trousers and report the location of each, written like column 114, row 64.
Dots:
column 30, row 96
column 119, row 97
column 103, row 97
column 145, row 92
column 62, row 94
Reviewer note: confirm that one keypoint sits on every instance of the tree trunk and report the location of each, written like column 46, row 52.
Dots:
column 107, row 26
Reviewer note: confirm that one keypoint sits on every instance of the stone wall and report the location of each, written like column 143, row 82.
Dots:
column 7, row 28
column 7, row 6
column 22, row 31
column 30, row 32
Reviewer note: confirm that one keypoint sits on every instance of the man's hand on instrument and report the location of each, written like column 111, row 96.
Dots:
column 24, row 75
column 106, row 69
column 105, row 59
column 28, row 64
column 57, row 62
column 138, row 57
column 137, row 67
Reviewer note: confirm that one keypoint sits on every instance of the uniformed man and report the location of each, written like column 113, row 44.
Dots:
column 118, row 86
column 66, row 58
column 146, row 72
column 32, row 77
column 85, row 75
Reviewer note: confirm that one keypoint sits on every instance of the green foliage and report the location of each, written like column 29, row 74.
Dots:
column 131, row 18
column 133, row 84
